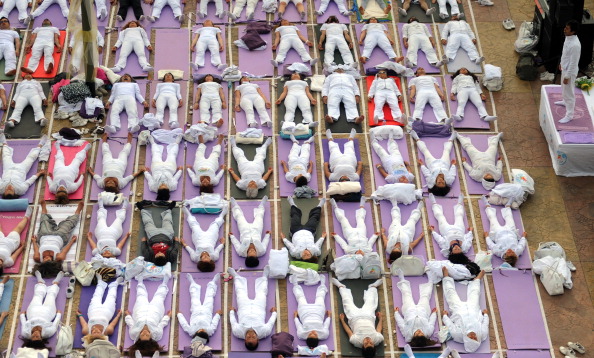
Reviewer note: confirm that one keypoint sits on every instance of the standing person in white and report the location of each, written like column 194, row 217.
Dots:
column 425, row 89
column 250, row 324
column 132, row 38
column 43, row 5
column 163, row 176
column 393, row 168
column 454, row 8
column 384, row 90
column 238, row 8
column 14, row 182
column 570, row 58
column 457, row 33
column 341, row 4
column 466, row 86
column 355, row 238
column 168, row 94
column 66, row 179
column 204, row 253
column 100, row 313
column 210, row 100
column 401, row 238
column 251, row 176
column 249, row 96
column 207, row 37
column 415, row 37
column 158, row 5
column 376, row 34
column 202, row 322
column 504, row 240
column 286, row 37
column 107, row 244
column 335, row 35
column 11, row 245
column 203, row 9
column 439, row 173
column 75, row 48
column 10, row 46
column 21, row 6
column 41, row 43
column 299, row 168
column 203, row 172
column 486, row 166
column 342, row 166
column 28, row 93
column 124, row 95
column 251, row 244
column 453, row 238
column 296, row 94
column 341, row 87
column 312, row 320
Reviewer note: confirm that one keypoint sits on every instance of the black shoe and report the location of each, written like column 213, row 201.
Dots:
column 142, row 204
column 172, row 205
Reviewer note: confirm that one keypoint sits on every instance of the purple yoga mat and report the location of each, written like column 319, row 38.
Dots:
column 421, row 58
column 265, row 345
column 292, row 14
column 28, row 296
column 208, row 67
column 248, row 211
column 111, row 215
column 415, row 282
column 377, row 55
column 13, row 17
column 53, row 13
column 520, row 333
column 251, row 61
column 186, row 262
column 582, row 121
column 241, row 119
column 528, row 354
column 259, row 13
column 185, row 306
column 146, row 9
column 123, row 132
column 210, row 12
column 461, row 59
column 402, row 146
column 485, row 346
column 151, row 288
column 435, row 146
column 21, row 149
column 86, row 294
column 168, row 41
column 196, row 112
column 248, row 355
column 330, row 11
column 524, row 259
column 190, row 189
column 167, row 19
column 287, row 188
column 310, row 294
column 428, row 113
column 181, row 111
column 341, row 142
column 116, row 147
column 292, row 55
column 448, row 211
column 132, row 67
column 175, row 194
column 350, row 211
column 471, row 115
column 405, row 211
column 481, row 142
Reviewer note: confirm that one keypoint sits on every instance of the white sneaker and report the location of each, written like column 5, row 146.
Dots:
column 490, row 118
column 151, row 18
column 110, row 129
column 337, row 283
column 43, row 122
column 430, row 11
column 572, row 268
column 142, row 18
column 461, row 15
column 402, row 11
column 568, row 352
column 486, row 3
column 119, row 18
column 565, row 120
column 560, row 103
column 576, row 346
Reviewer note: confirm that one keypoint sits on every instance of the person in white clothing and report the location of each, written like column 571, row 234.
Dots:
column 249, row 96
column 204, row 253
column 202, row 322
column 28, row 93
column 439, row 173
column 146, row 324
column 124, row 95
column 375, row 34
column 486, row 167
column 341, row 87
column 569, row 67
column 454, row 240
column 168, row 94
column 393, row 168
column 282, row 6
column 13, row 181
column 361, row 328
column 238, row 9
column 286, row 37
column 208, row 37
column 342, row 166
column 251, row 244
column 466, row 86
column 203, row 172
column 203, row 8
column 11, row 245
column 132, row 38
column 21, row 6
column 415, row 37
column 66, row 179
column 101, row 320
column 163, row 175
column 302, row 245
column 401, row 238
column 457, row 33
column 335, row 35
column 251, row 176
column 296, row 94
column 43, row 5
column 158, row 5
column 454, row 8
column 504, row 240
column 10, row 46
column 425, row 89
column 384, row 90
column 467, row 324
column 76, row 48
column 422, row 3
column 382, row 5
column 355, row 238
column 41, row 43
column 341, row 4
column 312, row 320
column 210, row 97
column 299, row 168
column 107, row 244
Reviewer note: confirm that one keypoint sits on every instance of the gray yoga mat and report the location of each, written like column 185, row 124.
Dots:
column 337, row 57
column 27, row 128
column 250, row 152
column 416, row 11
column 281, row 109
column 156, row 211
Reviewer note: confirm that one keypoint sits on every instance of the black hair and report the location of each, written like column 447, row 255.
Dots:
column 369, row 20
column 421, row 341
column 312, row 259
column 206, row 266
column 474, row 78
column 312, row 342
column 473, row 268
column 10, row 196
column 127, row 74
column 113, row 189
column 35, row 344
column 460, row 258
column 368, row 352
column 512, row 260
column 62, row 198
column 1, row 270
column 47, row 269
column 301, row 76
column 214, row 79
column 252, row 261
column 146, row 348
column 203, row 335
column 301, row 181
column 160, row 261
column 440, row 191
column 207, row 188
column 573, row 25
column 163, row 194
column 4, row 17
column 332, row 19
column 251, row 346
column 394, row 255
column 412, row 18
column 169, row 73
column 492, row 180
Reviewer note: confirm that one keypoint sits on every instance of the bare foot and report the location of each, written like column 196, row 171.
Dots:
column 50, row 68
column 388, row 9
column 26, row 70
column 79, row 208
column 219, row 123
column 363, row 59
column 328, row 119
column 359, row 119
column 130, row 137
column 105, row 136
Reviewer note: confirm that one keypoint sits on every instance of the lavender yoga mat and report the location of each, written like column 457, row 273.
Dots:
column 241, row 118
column 461, row 59
column 286, row 187
column 415, row 282
column 175, row 194
column 248, row 355
column 196, row 112
column 111, row 215
column 527, row 333
column 402, row 146
column 435, row 146
column 332, row 10
column 8, row 89
column 132, row 66
column 310, row 295
column 251, row 61
column 123, row 132
column 265, row 345
column 350, row 210
column 208, row 67
column 101, row 56
column 259, row 13
column 485, row 346
column 116, row 145
column 192, row 190
column 186, row 262
column 341, row 142
column 248, row 211
column 21, row 149
column 27, row 297
column 53, row 13
column 86, row 294
column 292, row 14
column 428, row 113
column 405, row 212
column 167, row 19
column 481, row 142
column 421, row 57
column 167, row 42
column 528, row 354
column 9, row 220
column 377, row 55
column 582, row 121
column 185, row 306
column 151, row 288
column 448, row 211
column 471, row 116
column 181, row 111
column 211, row 10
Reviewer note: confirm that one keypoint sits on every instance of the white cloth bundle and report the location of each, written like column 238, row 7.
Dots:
column 278, row 263
column 383, row 132
column 151, row 122
column 309, row 277
column 317, row 83
column 404, row 193
column 396, row 67
column 206, row 200
column 208, row 133
column 299, row 67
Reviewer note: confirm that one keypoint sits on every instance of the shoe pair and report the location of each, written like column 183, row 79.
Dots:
column 508, row 24
column 571, row 349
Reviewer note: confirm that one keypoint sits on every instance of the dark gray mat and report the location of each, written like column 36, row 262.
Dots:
column 416, row 11
column 156, row 211
column 250, row 152
column 337, row 57
column 27, row 128
column 342, row 126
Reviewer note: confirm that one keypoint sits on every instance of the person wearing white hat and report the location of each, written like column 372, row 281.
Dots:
column 486, row 167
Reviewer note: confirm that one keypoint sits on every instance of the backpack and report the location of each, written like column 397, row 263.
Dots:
column 371, row 266
column 410, row 266
column 75, row 92
column 101, row 349
column 526, row 68
column 65, row 340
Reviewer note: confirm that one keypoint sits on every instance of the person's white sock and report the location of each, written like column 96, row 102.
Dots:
column 432, row 198
column 485, row 200
column 362, row 201
column 453, row 136
column 29, row 212
column 446, row 352
column 264, row 200
column 455, row 354
column 461, row 199
column 322, row 202
column 39, row 278
column 337, row 283
column 376, row 284
column 408, row 351
column 414, row 135
column 291, row 201
column 420, row 205
column 58, row 277
column 353, row 133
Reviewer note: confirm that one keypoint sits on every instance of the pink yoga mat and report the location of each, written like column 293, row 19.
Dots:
column 287, row 188
column 292, row 55
column 481, row 142
column 132, row 66
column 175, row 194
column 582, row 121
column 69, row 154
column 53, row 13
column 402, row 146
column 168, row 41
column 461, row 59
column 9, row 220
column 332, row 10
column 405, row 212
column 471, row 116
column 435, row 146
column 428, row 113
column 151, row 288
column 421, row 57
column 191, row 190
column 415, row 282
column 292, row 14
column 259, row 13
column 310, row 294
column 210, row 12
column 167, row 19
column 241, row 118
column 123, row 132
column 350, row 212
column 116, row 145
column 208, row 67
column 377, row 55
column 248, row 211
column 21, row 149
column 341, row 142
column 186, row 262
column 265, row 344
column 528, row 354
column 8, row 89
column 448, row 211
column 181, row 111
column 251, row 61
column 196, row 112
column 529, row 333
column 185, row 306
column 111, row 215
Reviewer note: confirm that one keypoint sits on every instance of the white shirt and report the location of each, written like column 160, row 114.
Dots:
column 304, row 240
column 334, row 29
column 296, row 87
column 287, row 30
column 66, row 176
column 340, row 83
column 356, row 243
column 8, row 37
column 298, row 166
column 465, row 81
column 415, row 319
column 46, row 34
column 208, row 32
column 133, row 34
column 200, row 320
column 8, row 244
column 241, row 247
column 113, row 168
column 415, row 29
column 363, row 327
column 457, row 27
column 251, row 316
column 205, row 244
column 122, row 89
column 311, row 318
column 384, row 84
column 340, row 171
column 168, row 88
column 463, row 321
column 402, row 237
column 149, row 315
column 453, row 234
column 48, row 327
column 247, row 89
column 438, row 166
column 106, row 243
column 163, row 173
column 504, row 240
column 205, row 171
column 572, row 48
column 52, row 243
column 210, row 89
column 16, row 178
column 374, row 27
column 423, row 83
column 481, row 166
column 28, row 86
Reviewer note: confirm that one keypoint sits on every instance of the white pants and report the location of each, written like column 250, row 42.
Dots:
column 9, row 5
column 248, row 103
column 99, row 310
column 77, row 55
column 210, row 102
column 377, row 38
column 294, row 101
column 339, row 3
column 167, row 100
column 332, row 42
column 568, row 96
column 17, row 170
column 28, row 97
column 47, row 3
column 175, row 5
column 246, row 229
column 470, row 93
column 445, row 227
column 156, row 305
column 431, row 97
column 118, row 164
column 249, row 11
column 416, row 42
column 429, row 158
column 386, row 96
column 129, row 46
column 455, row 304
column 443, row 8
column 41, row 49
column 101, row 9
column 355, row 236
column 210, row 43
column 299, row 153
column 366, row 311
column 199, row 307
column 476, row 156
column 420, row 309
column 68, row 173
column 494, row 225
column 8, row 53
column 43, row 303
column 347, row 99
column 212, row 161
column 348, row 157
column 124, row 103
column 204, row 7
column 113, row 231
column 391, row 159
column 288, row 42
column 169, row 164
column 408, row 229
column 209, row 235
column 319, row 303
column 242, row 295
column 457, row 40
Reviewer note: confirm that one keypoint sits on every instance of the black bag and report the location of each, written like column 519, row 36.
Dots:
column 473, row 268
column 526, row 68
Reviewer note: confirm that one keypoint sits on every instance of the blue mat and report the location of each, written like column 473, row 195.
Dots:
column 5, row 302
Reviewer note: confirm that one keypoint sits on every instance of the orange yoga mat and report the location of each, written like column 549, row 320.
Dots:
column 40, row 72
column 387, row 112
